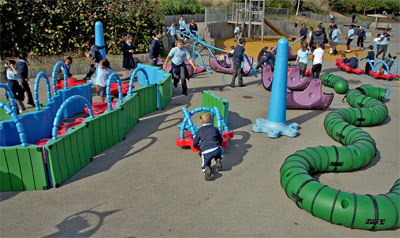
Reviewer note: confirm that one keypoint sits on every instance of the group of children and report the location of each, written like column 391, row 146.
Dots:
column 317, row 59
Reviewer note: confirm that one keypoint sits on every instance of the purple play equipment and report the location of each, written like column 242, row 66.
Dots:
column 228, row 68
column 310, row 98
column 294, row 81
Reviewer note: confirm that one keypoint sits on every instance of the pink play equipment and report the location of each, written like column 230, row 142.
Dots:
column 189, row 67
column 227, row 68
column 294, row 81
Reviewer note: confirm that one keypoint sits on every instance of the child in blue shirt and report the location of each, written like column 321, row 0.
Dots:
column 182, row 26
column 302, row 58
column 103, row 74
column 179, row 70
column 172, row 31
column 210, row 140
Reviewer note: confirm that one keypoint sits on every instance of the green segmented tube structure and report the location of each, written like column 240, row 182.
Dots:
column 376, row 212
column 338, row 83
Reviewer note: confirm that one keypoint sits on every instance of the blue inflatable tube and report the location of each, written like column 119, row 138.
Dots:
column 10, row 96
column 36, row 89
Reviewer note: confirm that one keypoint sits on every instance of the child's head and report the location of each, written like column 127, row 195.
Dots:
column 304, row 45
column 172, row 24
column 206, row 118
column 378, row 35
column 351, row 26
column 128, row 38
column 311, row 28
column 8, row 64
column 232, row 47
column 181, row 17
column 381, row 71
column 303, row 25
column 156, row 34
column 68, row 60
column 192, row 21
column 104, row 63
column 355, row 55
column 343, row 55
column 180, row 43
column 23, row 56
column 241, row 41
column 319, row 44
column 88, row 44
column 371, row 47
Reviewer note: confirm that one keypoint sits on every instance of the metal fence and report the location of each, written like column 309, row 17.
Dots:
column 236, row 11
column 215, row 14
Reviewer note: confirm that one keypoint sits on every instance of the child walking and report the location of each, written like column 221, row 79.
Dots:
column 182, row 27
column 17, row 90
column 210, row 140
column 361, row 38
column 155, row 45
column 103, row 73
column 172, row 31
column 237, row 63
column 318, row 57
column 22, row 69
column 128, row 63
column 179, row 70
column 302, row 58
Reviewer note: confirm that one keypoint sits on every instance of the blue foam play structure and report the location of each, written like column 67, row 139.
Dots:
column 276, row 124
column 99, row 38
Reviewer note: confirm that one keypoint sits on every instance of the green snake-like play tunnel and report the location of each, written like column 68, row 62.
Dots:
column 376, row 212
column 336, row 82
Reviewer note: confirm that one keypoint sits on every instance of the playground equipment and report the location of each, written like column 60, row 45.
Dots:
column 310, row 98
column 189, row 67
column 276, row 124
column 375, row 72
column 291, row 56
column 294, row 81
column 188, row 129
column 374, row 212
column 338, row 83
column 227, row 68
column 340, row 63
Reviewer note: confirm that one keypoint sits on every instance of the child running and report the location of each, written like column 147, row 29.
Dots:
column 210, row 140
column 302, row 58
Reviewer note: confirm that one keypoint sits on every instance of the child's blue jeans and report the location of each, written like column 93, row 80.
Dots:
column 216, row 154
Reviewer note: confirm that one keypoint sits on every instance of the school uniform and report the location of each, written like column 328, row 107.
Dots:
column 237, row 65
column 371, row 58
column 22, row 69
column 317, row 62
column 127, row 61
column 154, row 51
column 179, row 69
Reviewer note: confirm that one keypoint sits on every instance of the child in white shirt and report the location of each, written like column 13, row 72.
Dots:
column 318, row 57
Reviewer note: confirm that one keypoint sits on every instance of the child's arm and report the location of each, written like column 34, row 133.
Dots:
column 166, row 62
column 196, row 140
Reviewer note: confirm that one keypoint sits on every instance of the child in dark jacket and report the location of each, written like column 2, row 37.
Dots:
column 237, row 63
column 128, row 63
column 155, row 45
column 371, row 57
column 210, row 140
column 22, row 69
column 353, row 61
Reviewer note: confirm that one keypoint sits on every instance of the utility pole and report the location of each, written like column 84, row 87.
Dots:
column 298, row 7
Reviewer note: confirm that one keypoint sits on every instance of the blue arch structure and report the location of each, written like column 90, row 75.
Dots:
column 10, row 96
column 120, row 96
column 54, row 76
column 36, row 89
column 133, row 78
column 63, row 106
column 370, row 64
column 383, row 64
column 188, row 123
column 18, row 124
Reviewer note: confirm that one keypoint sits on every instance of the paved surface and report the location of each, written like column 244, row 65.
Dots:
column 146, row 186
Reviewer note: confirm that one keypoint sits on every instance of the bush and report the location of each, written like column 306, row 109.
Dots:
column 177, row 7
column 47, row 27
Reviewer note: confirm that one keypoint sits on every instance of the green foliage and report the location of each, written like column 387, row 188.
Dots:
column 48, row 27
column 278, row 3
column 363, row 5
column 177, row 7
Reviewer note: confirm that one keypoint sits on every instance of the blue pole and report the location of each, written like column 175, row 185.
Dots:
column 277, row 106
column 99, row 38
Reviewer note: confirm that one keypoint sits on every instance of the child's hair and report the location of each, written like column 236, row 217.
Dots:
column 356, row 54
column 232, row 47
column 304, row 45
column 172, row 23
column 381, row 71
column 156, row 32
column 311, row 28
column 180, row 41
column 241, row 40
column 343, row 55
column 319, row 44
column 22, row 55
column 127, row 37
column 378, row 35
column 206, row 117
column 11, row 62
column 105, row 63
column 371, row 47
column 68, row 58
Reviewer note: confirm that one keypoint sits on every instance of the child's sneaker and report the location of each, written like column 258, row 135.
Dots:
column 219, row 165
column 207, row 174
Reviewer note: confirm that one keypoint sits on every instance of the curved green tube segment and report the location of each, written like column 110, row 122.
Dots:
column 338, row 83
column 376, row 212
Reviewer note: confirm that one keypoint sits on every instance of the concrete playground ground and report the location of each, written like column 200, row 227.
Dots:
column 146, row 186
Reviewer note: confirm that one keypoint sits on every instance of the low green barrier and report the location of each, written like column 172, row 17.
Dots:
column 131, row 114
column 22, row 168
column 209, row 99
column 147, row 99
column 68, row 154
column 165, row 92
